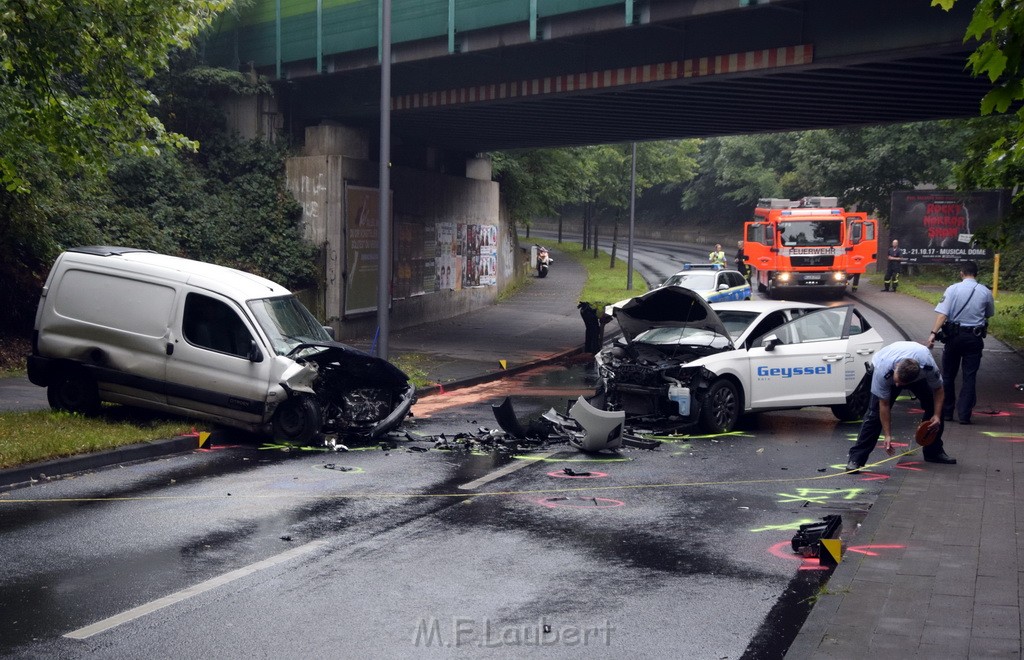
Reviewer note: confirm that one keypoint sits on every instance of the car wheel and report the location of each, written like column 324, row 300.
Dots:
column 298, row 419
column 74, row 392
column 721, row 408
column 856, row 404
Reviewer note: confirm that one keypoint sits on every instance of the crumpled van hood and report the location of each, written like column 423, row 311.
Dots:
column 667, row 307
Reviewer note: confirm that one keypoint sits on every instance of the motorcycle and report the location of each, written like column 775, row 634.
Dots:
column 544, row 260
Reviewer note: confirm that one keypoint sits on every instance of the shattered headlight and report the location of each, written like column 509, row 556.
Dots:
column 366, row 404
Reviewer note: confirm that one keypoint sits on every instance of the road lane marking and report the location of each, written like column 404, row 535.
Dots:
column 184, row 594
column 501, row 472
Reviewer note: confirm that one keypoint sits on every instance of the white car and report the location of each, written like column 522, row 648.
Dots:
column 684, row 361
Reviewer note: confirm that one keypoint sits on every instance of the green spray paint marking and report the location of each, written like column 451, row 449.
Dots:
column 820, row 495
column 782, row 528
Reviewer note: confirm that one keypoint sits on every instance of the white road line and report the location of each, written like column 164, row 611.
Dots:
column 143, row 610
column 501, row 472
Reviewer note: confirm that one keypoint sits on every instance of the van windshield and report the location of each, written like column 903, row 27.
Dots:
column 287, row 323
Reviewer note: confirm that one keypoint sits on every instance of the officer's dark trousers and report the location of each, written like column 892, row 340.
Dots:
column 962, row 350
column 892, row 276
column 871, row 427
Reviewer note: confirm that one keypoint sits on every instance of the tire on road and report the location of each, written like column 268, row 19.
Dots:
column 721, row 409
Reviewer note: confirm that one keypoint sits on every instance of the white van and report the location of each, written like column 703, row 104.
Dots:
column 155, row 331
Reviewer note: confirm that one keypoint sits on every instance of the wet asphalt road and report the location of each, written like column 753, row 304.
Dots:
column 249, row 550
column 678, row 552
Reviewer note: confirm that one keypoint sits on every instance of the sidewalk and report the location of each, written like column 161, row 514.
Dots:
column 942, row 580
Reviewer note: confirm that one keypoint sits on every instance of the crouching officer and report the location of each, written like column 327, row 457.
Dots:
column 900, row 365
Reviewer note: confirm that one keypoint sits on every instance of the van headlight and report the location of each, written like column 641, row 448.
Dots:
column 839, row 276
column 783, row 277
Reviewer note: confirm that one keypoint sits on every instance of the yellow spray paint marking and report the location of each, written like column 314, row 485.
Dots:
column 820, row 495
column 414, row 495
column 783, row 528
column 542, row 459
column 684, row 436
column 1002, row 434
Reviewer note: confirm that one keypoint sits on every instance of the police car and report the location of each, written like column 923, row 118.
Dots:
column 712, row 282
column 688, row 362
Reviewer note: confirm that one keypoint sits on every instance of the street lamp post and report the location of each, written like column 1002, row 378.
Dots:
column 383, row 215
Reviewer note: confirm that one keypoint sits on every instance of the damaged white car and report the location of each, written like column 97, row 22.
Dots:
column 684, row 362
column 155, row 331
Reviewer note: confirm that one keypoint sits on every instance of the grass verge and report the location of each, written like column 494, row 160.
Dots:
column 1008, row 323
column 38, row 435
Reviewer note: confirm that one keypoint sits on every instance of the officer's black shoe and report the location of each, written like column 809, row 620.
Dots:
column 943, row 458
column 852, row 467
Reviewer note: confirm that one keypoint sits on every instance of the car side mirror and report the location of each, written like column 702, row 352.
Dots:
column 723, row 286
column 255, row 354
column 330, row 331
column 770, row 342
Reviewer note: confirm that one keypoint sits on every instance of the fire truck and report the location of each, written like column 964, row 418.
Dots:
column 810, row 243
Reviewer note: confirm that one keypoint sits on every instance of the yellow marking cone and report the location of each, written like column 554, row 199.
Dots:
column 503, row 363
column 203, row 437
column 831, row 552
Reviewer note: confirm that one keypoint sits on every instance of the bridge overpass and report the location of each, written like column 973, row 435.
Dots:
column 479, row 75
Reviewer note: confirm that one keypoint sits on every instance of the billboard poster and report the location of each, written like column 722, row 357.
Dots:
column 362, row 233
column 939, row 226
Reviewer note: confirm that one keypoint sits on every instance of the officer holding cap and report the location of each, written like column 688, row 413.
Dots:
column 900, row 365
column 964, row 310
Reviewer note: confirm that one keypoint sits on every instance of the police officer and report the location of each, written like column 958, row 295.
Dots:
column 741, row 261
column 892, row 268
column 964, row 309
column 717, row 256
column 902, row 364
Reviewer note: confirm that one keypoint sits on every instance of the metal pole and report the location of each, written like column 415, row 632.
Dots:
column 384, row 215
column 632, row 216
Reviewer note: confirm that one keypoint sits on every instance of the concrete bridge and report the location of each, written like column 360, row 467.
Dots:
column 470, row 76
column 479, row 75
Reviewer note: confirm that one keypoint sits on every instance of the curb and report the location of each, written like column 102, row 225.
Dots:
column 56, row 468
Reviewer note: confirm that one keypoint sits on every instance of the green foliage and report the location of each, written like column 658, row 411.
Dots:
column 538, row 182
column 72, row 81
column 861, row 166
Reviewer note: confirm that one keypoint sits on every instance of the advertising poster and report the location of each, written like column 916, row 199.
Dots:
column 939, row 226
column 480, row 251
column 362, row 232
column 446, row 257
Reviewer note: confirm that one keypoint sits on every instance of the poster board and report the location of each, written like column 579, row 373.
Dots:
column 939, row 226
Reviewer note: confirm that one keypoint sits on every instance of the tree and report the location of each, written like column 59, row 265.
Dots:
column 998, row 28
column 72, row 80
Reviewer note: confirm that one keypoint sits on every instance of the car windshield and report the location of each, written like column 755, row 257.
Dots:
column 693, row 281
column 674, row 336
column 811, row 232
column 287, row 323
column 736, row 322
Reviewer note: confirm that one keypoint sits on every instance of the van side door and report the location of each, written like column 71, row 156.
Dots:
column 209, row 369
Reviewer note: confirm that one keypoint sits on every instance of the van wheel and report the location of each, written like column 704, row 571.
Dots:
column 298, row 420
column 74, row 392
column 721, row 409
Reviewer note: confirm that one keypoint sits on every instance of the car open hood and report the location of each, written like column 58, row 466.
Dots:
column 667, row 307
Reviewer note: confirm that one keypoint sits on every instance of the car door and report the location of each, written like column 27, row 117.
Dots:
column 209, row 369
column 864, row 342
column 802, row 363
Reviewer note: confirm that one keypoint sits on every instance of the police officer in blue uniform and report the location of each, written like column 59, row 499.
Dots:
column 964, row 309
column 900, row 365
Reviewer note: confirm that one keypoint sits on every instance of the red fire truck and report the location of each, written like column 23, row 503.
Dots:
column 810, row 243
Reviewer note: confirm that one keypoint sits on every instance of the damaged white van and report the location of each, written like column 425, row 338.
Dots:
column 144, row 329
